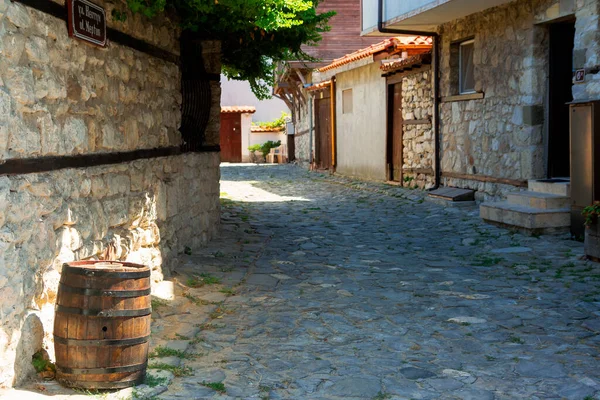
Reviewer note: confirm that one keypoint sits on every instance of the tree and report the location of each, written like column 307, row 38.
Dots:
column 255, row 34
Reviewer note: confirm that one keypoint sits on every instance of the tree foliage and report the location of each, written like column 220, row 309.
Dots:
column 255, row 34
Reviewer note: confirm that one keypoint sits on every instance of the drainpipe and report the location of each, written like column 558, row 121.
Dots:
column 333, row 106
column 310, row 130
column 436, row 84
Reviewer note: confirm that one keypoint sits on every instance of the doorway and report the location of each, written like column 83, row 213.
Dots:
column 323, row 132
column 231, row 137
column 560, row 76
column 394, row 133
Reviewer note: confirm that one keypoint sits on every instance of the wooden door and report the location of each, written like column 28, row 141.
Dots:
column 291, row 148
column 323, row 133
column 395, row 126
column 231, row 137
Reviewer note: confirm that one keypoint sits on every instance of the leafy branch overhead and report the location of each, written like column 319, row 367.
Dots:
column 255, row 34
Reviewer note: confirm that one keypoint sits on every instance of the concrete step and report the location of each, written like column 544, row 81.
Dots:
column 538, row 200
column 531, row 218
column 561, row 187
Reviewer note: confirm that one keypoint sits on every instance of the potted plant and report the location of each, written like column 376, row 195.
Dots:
column 592, row 231
column 256, row 153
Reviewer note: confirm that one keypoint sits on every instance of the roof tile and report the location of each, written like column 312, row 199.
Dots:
column 238, row 109
column 398, row 43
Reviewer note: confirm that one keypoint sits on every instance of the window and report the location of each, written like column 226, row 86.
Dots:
column 466, row 76
column 347, row 101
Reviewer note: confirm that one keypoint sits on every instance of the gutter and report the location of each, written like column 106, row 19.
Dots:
column 436, row 84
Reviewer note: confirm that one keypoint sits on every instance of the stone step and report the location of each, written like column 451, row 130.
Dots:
column 520, row 216
column 561, row 187
column 539, row 200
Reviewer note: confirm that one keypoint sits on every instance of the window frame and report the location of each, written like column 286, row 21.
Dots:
column 460, row 67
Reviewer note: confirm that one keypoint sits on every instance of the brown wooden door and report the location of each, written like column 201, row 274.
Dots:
column 395, row 126
column 323, row 133
column 231, row 137
column 291, row 148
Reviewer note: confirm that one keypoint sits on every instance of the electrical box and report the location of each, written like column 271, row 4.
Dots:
column 585, row 160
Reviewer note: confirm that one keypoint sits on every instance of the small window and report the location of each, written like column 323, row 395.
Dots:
column 466, row 76
column 347, row 101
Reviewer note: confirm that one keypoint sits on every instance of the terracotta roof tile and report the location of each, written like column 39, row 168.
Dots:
column 255, row 128
column 393, row 65
column 398, row 43
column 317, row 86
column 238, row 109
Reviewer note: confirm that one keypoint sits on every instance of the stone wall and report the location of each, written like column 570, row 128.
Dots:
column 497, row 136
column 417, row 139
column 58, row 97
column 586, row 53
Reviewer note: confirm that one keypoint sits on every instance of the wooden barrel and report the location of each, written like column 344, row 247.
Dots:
column 102, row 324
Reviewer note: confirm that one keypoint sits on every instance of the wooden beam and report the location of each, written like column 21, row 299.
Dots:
column 485, row 178
column 15, row 166
column 301, row 76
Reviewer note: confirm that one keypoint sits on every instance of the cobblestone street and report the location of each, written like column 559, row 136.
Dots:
column 366, row 291
column 335, row 289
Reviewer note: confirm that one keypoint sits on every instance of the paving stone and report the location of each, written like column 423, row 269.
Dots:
column 444, row 384
column 357, row 386
column 509, row 250
column 416, row 373
column 540, row 370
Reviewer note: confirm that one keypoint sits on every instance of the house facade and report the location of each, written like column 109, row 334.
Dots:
column 292, row 77
column 506, row 74
column 382, row 108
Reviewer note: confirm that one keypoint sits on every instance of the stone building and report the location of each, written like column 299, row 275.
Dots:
column 98, row 149
column 381, row 105
column 506, row 74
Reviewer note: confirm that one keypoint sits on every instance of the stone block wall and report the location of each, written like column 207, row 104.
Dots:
column 489, row 136
column 61, row 97
column 417, row 139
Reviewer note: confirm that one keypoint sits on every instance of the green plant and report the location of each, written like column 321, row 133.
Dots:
column 181, row 337
column 177, row 371
column 590, row 213
column 157, row 303
column 516, row 339
column 382, row 396
column 152, row 380
column 162, row 351
column 217, row 386
column 41, row 362
column 256, row 34
column 227, row 291
column 201, row 280
column 195, row 300
column 265, row 148
column 118, row 15
column 276, row 123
